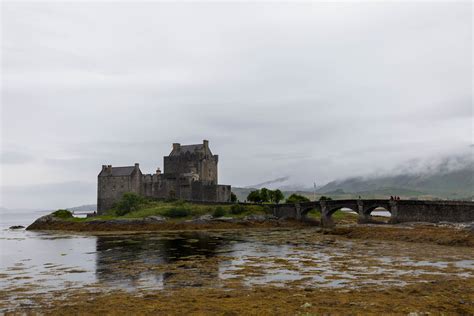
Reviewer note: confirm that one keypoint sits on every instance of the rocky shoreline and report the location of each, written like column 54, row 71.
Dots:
column 157, row 223
column 449, row 234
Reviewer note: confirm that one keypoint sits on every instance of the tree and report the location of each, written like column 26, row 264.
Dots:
column 233, row 197
column 276, row 196
column 254, row 196
column 325, row 198
column 128, row 203
column 296, row 198
column 264, row 195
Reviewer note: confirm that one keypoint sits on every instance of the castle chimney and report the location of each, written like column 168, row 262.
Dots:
column 176, row 146
column 205, row 143
column 104, row 167
column 137, row 165
column 158, row 171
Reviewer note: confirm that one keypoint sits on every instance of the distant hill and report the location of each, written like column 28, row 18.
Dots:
column 83, row 208
column 456, row 184
column 453, row 178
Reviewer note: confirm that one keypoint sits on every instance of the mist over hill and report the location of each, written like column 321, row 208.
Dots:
column 450, row 184
column 449, row 177
column 444, row 177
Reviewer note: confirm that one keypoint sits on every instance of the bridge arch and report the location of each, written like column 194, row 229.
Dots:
column 369, row 210
column 306, row 209
column 367, row 213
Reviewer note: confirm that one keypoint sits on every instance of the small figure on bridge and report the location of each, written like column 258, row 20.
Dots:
column 391, row 198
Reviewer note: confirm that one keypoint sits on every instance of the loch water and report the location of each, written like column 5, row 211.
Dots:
column 43, row 262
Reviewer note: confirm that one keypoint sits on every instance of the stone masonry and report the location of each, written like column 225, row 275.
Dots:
column 189, row 173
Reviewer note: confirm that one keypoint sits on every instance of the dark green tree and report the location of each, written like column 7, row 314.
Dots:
column 276, row 196
column 296, row 198
column 254, row 196
column 325, row 198
column 264, row 195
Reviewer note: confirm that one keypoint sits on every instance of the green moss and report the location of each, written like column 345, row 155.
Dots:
column 314, row 213
column 64, row 214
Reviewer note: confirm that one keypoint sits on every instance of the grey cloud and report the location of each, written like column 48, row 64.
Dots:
column 49, row 195
column 311, row 90
column 16, row 157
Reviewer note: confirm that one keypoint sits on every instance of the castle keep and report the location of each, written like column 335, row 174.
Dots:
column 189, row 173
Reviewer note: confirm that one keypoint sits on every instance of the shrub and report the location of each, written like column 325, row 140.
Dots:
column 219, row 212
column 296, row 198
column 237, row 209
column 128, row 203
column 267, row 209
column 179, row 211
column 62, row 214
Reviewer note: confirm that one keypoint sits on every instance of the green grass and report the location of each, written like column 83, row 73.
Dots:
column 185, row 210
column 336, row 215
column 64, row 214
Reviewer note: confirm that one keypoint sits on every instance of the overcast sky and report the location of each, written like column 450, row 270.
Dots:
column 316, row 92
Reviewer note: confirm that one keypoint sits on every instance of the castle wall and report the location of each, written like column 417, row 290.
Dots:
column 202, row 164
column 223, row 193
column 210, row 192
column 110, row 189
column 208, row 169
column 190, row 173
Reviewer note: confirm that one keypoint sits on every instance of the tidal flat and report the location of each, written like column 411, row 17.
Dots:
column 353, row 269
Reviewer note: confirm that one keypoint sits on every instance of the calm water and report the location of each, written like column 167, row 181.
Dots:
column 40, row 262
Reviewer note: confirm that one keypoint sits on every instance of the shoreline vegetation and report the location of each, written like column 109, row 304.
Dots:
column 149, row 216
column 444, row 295
column 170, row 215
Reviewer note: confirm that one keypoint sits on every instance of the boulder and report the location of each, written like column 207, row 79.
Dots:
column 255, row 218
column 224, row 219
column 203, row 219
column 206, row 217
column 259, row 218
column 155, row 219
column 43, row 222
column 17, row 227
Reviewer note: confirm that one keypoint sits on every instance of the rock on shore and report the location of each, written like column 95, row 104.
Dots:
column 156, row 222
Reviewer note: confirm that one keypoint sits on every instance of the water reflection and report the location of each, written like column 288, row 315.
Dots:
column 41, row 262
column 157, row 261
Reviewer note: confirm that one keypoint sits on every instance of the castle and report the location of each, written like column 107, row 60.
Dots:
column 189, row 173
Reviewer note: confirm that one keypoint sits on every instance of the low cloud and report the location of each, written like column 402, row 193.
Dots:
column 16, row 157
column 315, row 90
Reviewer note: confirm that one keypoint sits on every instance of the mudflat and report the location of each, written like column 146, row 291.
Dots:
column 352, row 269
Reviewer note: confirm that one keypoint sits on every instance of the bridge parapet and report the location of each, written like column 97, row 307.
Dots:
column 401, row 210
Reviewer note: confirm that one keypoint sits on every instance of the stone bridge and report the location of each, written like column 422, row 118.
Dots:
column 400, row 210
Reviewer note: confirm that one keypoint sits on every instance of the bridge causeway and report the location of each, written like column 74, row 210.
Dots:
column 400, row 210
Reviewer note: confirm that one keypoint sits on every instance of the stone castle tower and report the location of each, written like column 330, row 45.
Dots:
column 190, row 173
